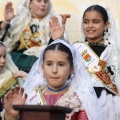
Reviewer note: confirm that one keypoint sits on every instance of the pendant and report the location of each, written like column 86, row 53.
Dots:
column 55, row 93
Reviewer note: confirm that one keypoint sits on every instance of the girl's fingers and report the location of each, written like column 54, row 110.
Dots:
column 25, row 96
column 57, row 22
column 17, row 89
column 21, row 91
column 6, row 98
column 11, row 90
column 52, row 22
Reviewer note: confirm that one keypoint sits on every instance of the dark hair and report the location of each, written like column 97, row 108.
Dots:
column 1, row 44
column 60, row 47
column 99, row 9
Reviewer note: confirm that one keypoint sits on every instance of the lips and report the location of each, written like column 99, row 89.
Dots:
column 2, row 66
column 42, row 9
column 91, row 31
column 55, row 78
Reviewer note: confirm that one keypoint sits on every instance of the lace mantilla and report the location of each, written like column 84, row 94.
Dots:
column 68, row 100
column 80, row 81
column 20, row 22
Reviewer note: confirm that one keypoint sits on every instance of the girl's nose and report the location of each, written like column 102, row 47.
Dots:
column 54, row 70
column 90, row 24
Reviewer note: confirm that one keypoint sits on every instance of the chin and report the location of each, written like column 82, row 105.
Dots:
column 91, row 38
column 42, row 14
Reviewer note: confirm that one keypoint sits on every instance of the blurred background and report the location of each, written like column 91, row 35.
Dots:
column 75, row 8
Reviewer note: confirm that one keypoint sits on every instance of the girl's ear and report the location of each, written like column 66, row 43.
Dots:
column 107, row 25
column 72, row 70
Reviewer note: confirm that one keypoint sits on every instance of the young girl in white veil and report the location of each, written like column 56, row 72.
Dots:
column 26, row 34
column 77, row 93
column 100, row 49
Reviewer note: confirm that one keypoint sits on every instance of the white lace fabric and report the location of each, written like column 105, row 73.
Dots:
column 67, row 100
column 20, row 22
column 80, row 81
column 111, row 55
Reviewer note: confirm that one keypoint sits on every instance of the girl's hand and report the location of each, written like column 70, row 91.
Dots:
column 8, row 12
column 55, row 30
column 13, row 97
column 21, row 74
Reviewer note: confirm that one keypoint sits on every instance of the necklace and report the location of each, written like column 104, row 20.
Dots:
column 96, row 43
column 55, row 91
column 37, row 18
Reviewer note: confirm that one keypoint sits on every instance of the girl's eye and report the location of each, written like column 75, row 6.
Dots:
column 39, row 0
column 85, row 22
column 96, row 21
column 46, row 1
column 61, row 65
column 49, row 64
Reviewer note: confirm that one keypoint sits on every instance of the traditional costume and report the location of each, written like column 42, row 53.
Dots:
column 6, row 76
column 26, row 37
column 80, row 96
column 104, row 78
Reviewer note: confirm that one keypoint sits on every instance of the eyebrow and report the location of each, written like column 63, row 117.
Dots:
column 92, row 19
column 52, row 61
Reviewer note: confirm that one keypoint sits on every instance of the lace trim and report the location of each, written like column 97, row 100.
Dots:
column 2, row 114
column 70, row 99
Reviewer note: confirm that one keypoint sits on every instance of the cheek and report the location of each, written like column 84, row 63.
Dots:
column 101, row 30
column 84, row 28
column 66, row 72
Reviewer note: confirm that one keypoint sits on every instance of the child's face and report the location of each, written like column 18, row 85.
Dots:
column 39, row 8
column 56, row 68
column 2, row 57
column 93, row 25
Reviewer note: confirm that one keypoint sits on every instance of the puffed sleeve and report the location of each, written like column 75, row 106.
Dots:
column 82, row 115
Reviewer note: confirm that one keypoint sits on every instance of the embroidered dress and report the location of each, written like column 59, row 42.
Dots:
column 100, row 77
column 26, row 37
column 108, row 52
column 6, row 81
column 6, row 76
column 70, row 99
column 81, row 89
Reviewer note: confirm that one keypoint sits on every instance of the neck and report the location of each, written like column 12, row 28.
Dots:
column 101, row 40
column 37, row 17
column 58, row 90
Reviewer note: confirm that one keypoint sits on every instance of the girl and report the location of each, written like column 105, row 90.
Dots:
column 8, row 72
column 97, row 28
column 101, row 55
column 61, row 81
column 7, row 68
column 27, row 33
column 99, row 52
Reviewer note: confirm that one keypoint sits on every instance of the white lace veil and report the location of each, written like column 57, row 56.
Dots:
column 21, row 20
column 114, row 48
column 114, row 39
column 80, row 81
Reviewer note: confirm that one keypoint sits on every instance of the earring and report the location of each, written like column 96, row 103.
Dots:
column 106, row 34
